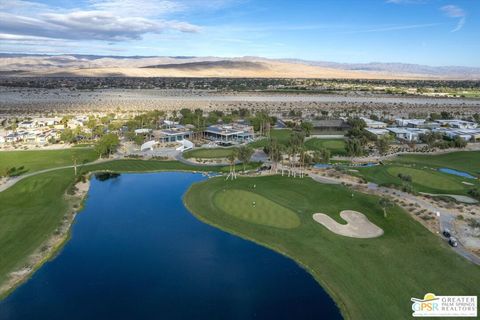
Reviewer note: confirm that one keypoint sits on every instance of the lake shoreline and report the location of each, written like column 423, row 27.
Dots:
column 342, row 306
column 53, row 245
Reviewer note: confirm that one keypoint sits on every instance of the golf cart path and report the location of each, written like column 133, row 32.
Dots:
column 457, row 197
column 12, row 181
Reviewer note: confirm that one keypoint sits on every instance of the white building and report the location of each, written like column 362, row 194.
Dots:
column 230, row 132
column 374, row 124
column 465, row 134
column 459, row 124
column 27, row 124
column 378, row 132
column 408, row 134
column 409, row 122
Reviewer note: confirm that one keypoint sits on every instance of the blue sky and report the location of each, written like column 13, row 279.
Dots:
column 433, row 32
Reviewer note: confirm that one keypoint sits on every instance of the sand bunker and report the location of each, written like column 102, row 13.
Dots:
column 358, row 225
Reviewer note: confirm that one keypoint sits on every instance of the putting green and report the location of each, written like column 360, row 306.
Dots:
column 428, row 179
column 254, row 208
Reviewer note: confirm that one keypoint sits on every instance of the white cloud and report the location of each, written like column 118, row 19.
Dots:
column 454, row 11
column 108, row 20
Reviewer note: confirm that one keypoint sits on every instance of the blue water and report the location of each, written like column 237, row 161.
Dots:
column 137, row 253
column 322, row 166
column 457, row 173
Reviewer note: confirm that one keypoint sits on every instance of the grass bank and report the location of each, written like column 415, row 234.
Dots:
column 208, row 153
column 368, row 278
column 336, row 146
column 36, row 160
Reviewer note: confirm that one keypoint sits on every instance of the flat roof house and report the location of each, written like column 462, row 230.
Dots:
column 229, row 132
column 459, row 124
column 377, row 132
column 374, row 124
column 173, row 134
column 408, row 134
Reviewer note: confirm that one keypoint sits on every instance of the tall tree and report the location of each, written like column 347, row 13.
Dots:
column 244, row 155
column 232, row 157
column 107, row 144
column 385, row 203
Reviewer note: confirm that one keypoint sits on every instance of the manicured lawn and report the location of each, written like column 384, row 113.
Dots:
column 133, row 165
column 44, row 159
column 254, row 208
column 424, row 172
column 423, row 179
column 468, row 161
column 30, row 211
column 282, row 136
column 368, row 278
column 208, row 153
column 336, row 146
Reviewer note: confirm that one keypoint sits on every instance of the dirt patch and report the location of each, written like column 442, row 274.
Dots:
column 358, row 225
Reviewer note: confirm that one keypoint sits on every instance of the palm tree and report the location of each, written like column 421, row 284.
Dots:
column 275, row 153
column 232, row 157
column 244, row 155
column 385, row 203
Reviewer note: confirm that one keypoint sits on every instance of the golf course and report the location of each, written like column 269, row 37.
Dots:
column 208, row 153
column 336, row 146
column 424, row 172
column 368, row 278
column 32, row 161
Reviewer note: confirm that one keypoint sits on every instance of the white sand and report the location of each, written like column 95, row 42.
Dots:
column 358, row 225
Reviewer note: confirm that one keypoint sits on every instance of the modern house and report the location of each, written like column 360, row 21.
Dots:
column 416, row 123
column 465, row 134
column 377, row 132
column 408, row 134
column 374, row 124
column 234, row 132
column 459, row 124
column 172, row 134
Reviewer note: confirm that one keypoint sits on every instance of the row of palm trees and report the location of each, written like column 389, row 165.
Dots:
column 293, row 158
column 290, row 159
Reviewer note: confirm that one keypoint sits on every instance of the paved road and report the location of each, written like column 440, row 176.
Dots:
column 446, row 218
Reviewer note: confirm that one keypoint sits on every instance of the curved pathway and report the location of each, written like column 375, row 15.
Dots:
column 12, row 181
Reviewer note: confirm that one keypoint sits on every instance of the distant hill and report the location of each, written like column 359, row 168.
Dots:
column 202, row 65
column 184, row 66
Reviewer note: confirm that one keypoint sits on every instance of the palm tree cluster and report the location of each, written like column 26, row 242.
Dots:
column 292, row 158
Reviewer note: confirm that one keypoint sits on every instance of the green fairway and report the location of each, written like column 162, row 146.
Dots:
column 256, row 209
column 423, row 169
column 31, row 210
column 468, row 161
column 281, row 135
column 336, row 146
column 428, row 178
column 208, row 153
column 368, row 278
column 44, row 159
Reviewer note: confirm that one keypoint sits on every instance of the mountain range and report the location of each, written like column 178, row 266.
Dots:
column 248, row 67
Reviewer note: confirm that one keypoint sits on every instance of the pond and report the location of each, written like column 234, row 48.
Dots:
column 137, row 253
column 457, row 173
